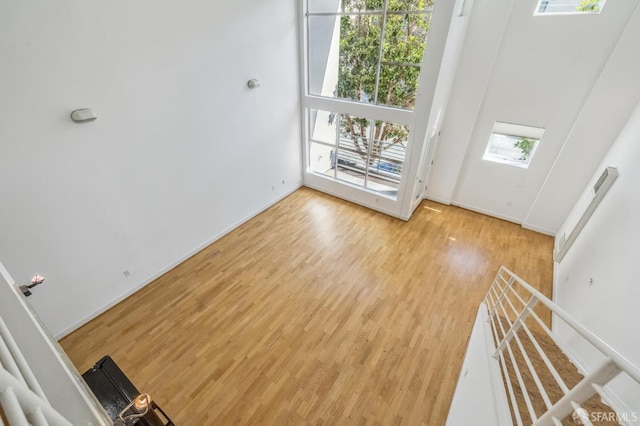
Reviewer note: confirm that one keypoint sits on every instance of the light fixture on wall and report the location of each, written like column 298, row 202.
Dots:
column 36, row 280
column 83, row 115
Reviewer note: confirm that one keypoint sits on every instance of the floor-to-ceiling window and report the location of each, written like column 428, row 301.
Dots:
column 362, row 71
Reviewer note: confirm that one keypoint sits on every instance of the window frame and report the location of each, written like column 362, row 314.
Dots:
column 371, row 111
column 372, row 175
column 380, row 63
column 537, row 12
column 513, row 131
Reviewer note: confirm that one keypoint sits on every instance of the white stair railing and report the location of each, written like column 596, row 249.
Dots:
column 510, row 302
column 21, row 397
column 38, row 383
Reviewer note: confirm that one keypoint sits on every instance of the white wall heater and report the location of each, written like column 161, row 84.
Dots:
column 590, row 199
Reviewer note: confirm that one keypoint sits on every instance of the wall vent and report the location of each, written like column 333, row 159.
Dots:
column 601, row 180
column 594, row 196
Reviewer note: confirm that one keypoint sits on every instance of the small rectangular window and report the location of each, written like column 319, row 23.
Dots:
column 512, row 144
column 566, row 7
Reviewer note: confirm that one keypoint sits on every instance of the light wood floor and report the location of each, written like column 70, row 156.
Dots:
column 317, row 311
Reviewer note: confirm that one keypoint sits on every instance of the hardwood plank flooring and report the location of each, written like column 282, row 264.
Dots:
column 316, row 311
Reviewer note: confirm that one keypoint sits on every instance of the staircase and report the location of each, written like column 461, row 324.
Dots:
column 525, row 375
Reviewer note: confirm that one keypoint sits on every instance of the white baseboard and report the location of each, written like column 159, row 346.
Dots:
column 445, row 201
column 528, row 226
column 539, row 229
column 488, row 213
column 354, row 200
column 169, row 267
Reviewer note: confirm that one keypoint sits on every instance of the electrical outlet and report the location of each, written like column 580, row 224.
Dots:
column 126, row 273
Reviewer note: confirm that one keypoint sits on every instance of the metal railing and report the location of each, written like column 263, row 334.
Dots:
column 38, row 383
column 21, row 397
column 520, row 336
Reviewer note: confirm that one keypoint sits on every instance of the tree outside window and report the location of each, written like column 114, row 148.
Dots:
column 385, row 76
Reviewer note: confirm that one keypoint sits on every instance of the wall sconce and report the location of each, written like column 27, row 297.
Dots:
column 36, row 280
column 83, row 115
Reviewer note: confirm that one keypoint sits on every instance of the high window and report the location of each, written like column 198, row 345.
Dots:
column 555, row 7
column 363, row 61
column 512, row 144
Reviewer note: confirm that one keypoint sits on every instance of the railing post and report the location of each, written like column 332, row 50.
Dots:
column 502, row 331
column 489, row 298
column 502, row 296
column 16, row 390
column 522, row 316
column 11, row 405
column 13, row 360
column 580, row 393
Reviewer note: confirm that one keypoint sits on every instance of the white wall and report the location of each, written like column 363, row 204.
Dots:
column 603, row 114
column 182, row 150
column 553, row 72
column 431, row 126
column 482, row 40
column 606, row 251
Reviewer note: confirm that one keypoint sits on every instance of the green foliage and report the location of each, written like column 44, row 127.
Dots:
column 404, row 42
column 525, row 145
column 588, row 6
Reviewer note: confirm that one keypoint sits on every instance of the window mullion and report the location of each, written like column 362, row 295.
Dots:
column 380, row 50
column 369, row 148
column 336, row 150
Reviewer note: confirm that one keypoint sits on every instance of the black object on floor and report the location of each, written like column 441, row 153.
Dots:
column 114, row 391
